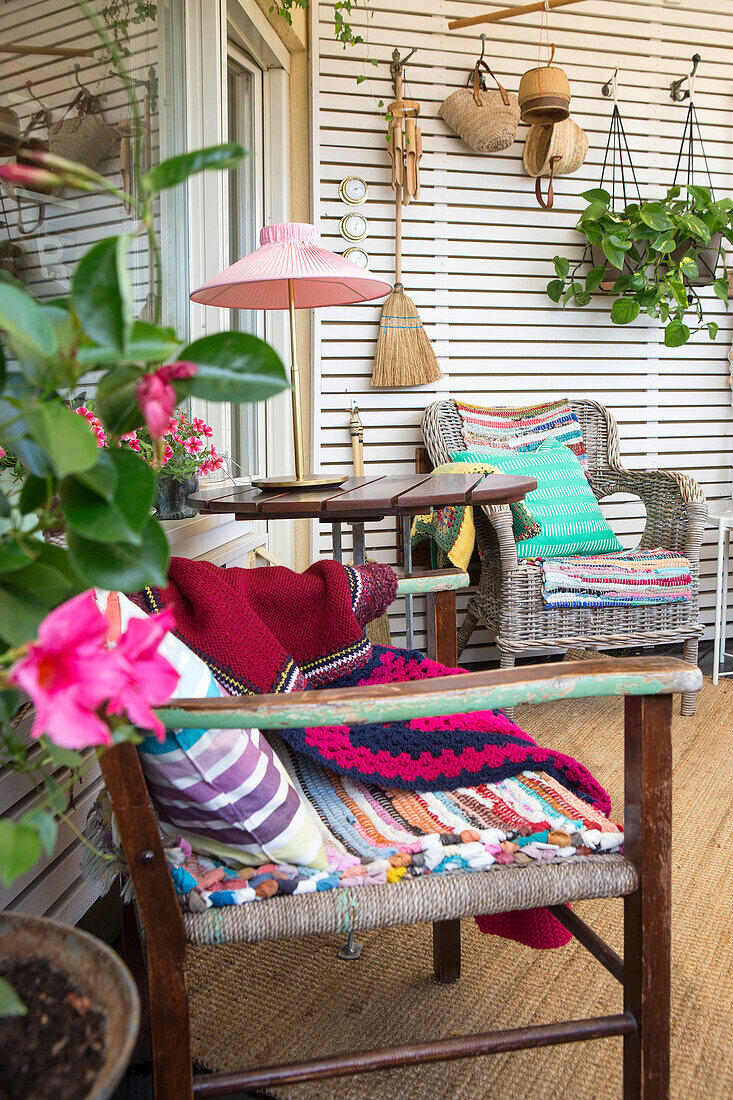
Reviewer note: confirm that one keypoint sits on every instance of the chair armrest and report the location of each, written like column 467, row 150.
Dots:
column 500, row 517
column 462, row 694
column 675, row 504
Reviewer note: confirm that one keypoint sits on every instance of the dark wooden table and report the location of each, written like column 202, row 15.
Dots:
column 368, row 498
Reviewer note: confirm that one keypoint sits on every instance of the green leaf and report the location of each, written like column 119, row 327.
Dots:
column 45, row 583
column 675, row 334
column 582, row 298
column 597, row 195
column 664, row 243
column 120, row 519
column 624, row 311
column 102, row 479
column 593, row 232
column 555, row 288
column 45, row 825
column 123, row 566
column 56, row 800
column 147, row 344
column 703, row 195
column 677, row 289
column 61, row 757
column 712, row 328
column 116, row 400
column 20, row 848
column 688, row 267
column 655, row 216
column 594, row 278
column 674, row 191
column 33, row 495
column 617, row 240
column 720, row 286
column 10, row 1002
column 177, row 169
column 622, row 284
column 101, row 293
column 233, row 366
column 639, row 281
column 696, row 227
column 20, row 615
column 27, row 326
column 614, row 255
column 12, row 557
column 9, row 700
column 64, row 437
column 562, row 266
column 593, row 212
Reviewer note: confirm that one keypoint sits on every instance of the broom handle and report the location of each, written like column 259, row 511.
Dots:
column 398, row 193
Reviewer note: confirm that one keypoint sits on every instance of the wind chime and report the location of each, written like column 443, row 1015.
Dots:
column 404, row 355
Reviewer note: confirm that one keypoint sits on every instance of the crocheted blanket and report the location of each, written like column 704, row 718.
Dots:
column 451, row 531
column 374, row 836
column 631, row 578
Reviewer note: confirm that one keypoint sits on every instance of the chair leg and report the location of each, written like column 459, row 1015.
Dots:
column 507, row 660
column 689, row 698
column 170, row 1026
column 647, row 912
column 447, row 950
column 467, row 628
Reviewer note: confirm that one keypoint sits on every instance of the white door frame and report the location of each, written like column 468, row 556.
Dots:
column 209, row 24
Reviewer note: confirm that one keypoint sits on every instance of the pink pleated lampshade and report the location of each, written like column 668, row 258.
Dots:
column 291, row 251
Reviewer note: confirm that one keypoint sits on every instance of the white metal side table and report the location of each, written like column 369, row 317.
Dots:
column 720, row 515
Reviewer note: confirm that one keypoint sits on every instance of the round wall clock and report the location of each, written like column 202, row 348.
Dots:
column 353, row 190
column 354, row 227
column 357, row 256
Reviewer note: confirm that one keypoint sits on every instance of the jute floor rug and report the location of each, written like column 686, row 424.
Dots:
column 275, row 1002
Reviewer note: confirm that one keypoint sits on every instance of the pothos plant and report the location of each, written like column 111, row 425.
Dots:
column 653, row 256
column 52, row 638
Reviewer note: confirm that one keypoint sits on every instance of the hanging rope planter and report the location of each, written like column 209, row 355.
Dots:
column 707, row 259
column 620, row 166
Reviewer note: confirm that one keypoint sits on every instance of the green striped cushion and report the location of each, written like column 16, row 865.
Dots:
column 563, row 502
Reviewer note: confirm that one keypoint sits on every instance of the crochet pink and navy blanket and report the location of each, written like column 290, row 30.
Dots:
column 273, row 630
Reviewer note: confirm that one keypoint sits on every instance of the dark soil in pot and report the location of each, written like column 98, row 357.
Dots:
column 56, row 1050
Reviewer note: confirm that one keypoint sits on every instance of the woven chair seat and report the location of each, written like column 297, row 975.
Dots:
column 438, row 897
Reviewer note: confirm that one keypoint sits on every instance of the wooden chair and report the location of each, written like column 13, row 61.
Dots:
column 641, row 875
column 508, row 600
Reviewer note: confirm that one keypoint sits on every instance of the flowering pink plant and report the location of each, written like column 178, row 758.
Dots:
column 182, row 449
column 81, row 688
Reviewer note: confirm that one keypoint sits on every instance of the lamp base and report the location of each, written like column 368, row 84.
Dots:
column 293, row 484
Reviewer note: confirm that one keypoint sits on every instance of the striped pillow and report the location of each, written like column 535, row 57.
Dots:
column 563, row 502
column 226, row 791
column 522, row 429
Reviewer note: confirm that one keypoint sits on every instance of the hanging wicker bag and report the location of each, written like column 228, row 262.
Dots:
column 544, row 94
column 557, row 150
column 86, row 138
column 485, row 119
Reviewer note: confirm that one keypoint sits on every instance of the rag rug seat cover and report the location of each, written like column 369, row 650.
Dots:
column 272, row 630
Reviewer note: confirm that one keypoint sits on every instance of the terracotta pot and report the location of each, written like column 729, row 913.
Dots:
column 707, row 259
column 98, row 973
column 170, row 497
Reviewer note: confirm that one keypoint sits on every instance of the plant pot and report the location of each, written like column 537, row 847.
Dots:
column 707, row 259
column 170, row 497
column 598, row 259
column 96, row 971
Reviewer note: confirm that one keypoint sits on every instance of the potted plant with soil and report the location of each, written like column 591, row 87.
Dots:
column 70, row 473
column 654, row 257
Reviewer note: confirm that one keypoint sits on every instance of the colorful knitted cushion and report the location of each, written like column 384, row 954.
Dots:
column 522, row 429
column 225, row 790
column 563, row 502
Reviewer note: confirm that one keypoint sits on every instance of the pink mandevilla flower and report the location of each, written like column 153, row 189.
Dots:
column 71, row 675
column 157, row 397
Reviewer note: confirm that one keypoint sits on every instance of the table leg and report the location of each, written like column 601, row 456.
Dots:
column 336, row 541
column 718, row 604
column 358, row 537
column 724, row 596
column 407, row 552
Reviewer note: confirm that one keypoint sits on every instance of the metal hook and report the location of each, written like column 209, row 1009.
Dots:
column 398, row 64
column 675, row 89
column 610, row 88
column 483, row 46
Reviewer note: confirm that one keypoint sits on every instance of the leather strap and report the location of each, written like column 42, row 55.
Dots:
column 477, row 78
column 550, row 190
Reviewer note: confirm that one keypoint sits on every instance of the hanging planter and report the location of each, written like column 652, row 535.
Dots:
column 651, row 256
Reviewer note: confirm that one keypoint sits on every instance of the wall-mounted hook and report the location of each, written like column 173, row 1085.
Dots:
column 610, row 88
column 398, row 64
column 483, row 46
column 676, row 91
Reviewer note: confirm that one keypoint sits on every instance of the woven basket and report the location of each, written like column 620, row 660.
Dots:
column 9, row 131
column 544, row 95
column 486, row 120
column 86, row 139
column 565, row 143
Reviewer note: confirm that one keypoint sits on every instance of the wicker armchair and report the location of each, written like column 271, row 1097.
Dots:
column 508, row 601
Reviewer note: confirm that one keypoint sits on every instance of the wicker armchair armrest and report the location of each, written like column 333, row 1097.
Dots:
column 675, row 504
column 500, row 517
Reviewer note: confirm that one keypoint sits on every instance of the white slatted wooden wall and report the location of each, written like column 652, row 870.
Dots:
column 478, row 249
column 54, row 887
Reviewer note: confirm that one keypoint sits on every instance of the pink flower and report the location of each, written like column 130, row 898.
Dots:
column 177, row 438
column 157, row 398
column 167, row 455
column 173, row 424
column 70, row 674
column 2, row 453
column 147, row 678
column 193, row 445
column 95, row 423
column 35, row 179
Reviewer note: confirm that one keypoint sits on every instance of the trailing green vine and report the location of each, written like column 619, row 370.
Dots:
column 342, row 9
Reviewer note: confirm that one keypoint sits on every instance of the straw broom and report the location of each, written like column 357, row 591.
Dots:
column 404, row 355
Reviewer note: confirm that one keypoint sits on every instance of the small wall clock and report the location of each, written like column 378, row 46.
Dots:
column 353, row 190
column 357, row 256
column 354, row 227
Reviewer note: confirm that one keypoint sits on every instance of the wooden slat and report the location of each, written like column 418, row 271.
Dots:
column 379, row 496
